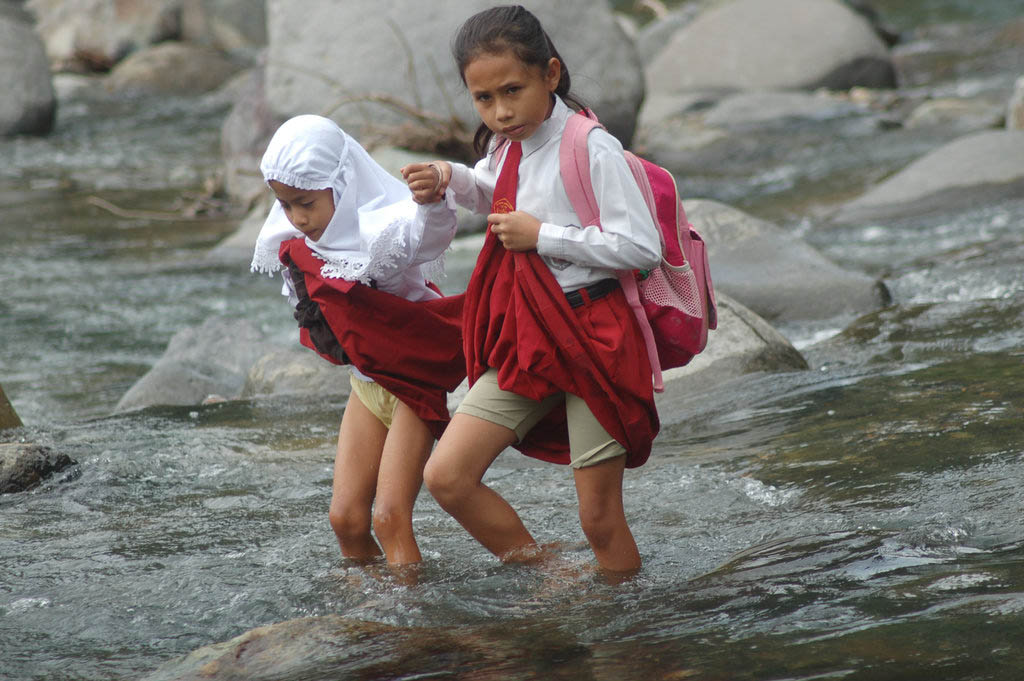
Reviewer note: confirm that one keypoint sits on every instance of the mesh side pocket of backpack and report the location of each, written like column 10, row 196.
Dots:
column 675, row 287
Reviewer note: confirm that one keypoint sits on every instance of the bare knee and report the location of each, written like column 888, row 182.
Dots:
column 445, row 484
column 391, row 523
column 601, row 524
column 349, row 522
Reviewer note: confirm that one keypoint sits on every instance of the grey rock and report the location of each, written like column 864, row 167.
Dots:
column 295, row 371
column 753, row 109
column 743, row 343
column 211, row 359
column 172, row 68
column 402, row 49
column 773, row 45
column 29, row 103
column 777, row 275
column 96, row 34
column 962, row 115
column 24, row 466
column 229, row 25
column 978, row 167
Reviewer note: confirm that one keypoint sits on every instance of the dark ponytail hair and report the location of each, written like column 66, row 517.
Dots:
column 508, row 28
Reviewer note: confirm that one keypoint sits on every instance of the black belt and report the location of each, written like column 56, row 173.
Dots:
column 594, row 291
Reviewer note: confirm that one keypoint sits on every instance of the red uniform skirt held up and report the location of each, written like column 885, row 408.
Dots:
column 412, row 349
column 517, row 320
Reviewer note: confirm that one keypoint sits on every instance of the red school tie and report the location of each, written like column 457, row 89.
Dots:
column 504, row 199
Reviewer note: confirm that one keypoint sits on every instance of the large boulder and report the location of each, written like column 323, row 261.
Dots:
column 172, row 68
column 8, row 417
column 777, row 275
column 362, row 61
column 24, row 466
column 229, row 25
column 29, row 103
column 96, row 34
column 983, row 166
column 211, row 359
column 773, row 45
column 743, row 343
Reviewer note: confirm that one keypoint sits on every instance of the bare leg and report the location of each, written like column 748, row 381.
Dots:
column 603, row 518
column 398, row 482
column 356, row 465
column 453, row 475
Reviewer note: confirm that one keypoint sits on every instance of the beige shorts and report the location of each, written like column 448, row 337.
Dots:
column 589, row 442
column 379, row 401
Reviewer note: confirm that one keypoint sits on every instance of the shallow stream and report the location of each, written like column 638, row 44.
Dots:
column 861, row 519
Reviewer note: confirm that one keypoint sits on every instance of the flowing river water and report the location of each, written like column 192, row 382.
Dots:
column 860, row 519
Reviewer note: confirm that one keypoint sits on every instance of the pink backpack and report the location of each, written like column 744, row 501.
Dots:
column 675, row 303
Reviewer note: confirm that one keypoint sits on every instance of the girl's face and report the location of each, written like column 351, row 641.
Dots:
column 309, row 210
column 512, row 98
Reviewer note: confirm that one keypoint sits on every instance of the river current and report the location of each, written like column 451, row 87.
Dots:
column 861, row 519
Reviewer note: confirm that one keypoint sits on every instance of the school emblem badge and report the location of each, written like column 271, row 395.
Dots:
column 502, row 205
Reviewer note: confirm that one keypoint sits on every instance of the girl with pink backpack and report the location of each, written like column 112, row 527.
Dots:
column 556, row 359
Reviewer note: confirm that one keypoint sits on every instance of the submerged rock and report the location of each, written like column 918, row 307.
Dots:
column 24, row 466
column 777, row 275
column 335, row 647
column 785, row 44
column 979, row 167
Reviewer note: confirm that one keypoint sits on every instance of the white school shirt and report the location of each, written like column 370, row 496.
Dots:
column 577, row 255
column 399, row 256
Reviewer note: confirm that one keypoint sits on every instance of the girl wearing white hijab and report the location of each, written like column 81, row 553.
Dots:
column 356, row 254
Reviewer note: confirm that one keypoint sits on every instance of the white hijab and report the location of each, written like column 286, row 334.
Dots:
column 371, row 206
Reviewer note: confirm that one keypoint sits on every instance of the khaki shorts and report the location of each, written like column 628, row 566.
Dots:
column 589, row 442
column 379, row 401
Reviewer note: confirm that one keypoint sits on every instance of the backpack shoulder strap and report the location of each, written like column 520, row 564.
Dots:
column 574, row 166
column 574, row 162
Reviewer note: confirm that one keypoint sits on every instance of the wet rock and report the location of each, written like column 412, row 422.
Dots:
column 787, row 44
column 777, row 275
column 29, row 103
column 8, row 417
column 980, row 167
column 211, row 359
column 93, row 35
column 308, row 49
column 962, row 115
column 753, row 109
column 24, row 466
column 743, row 343
column 334, row 647
column 295, row 371
column 1015, row 108
column 172, row 68
column 228, row 25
